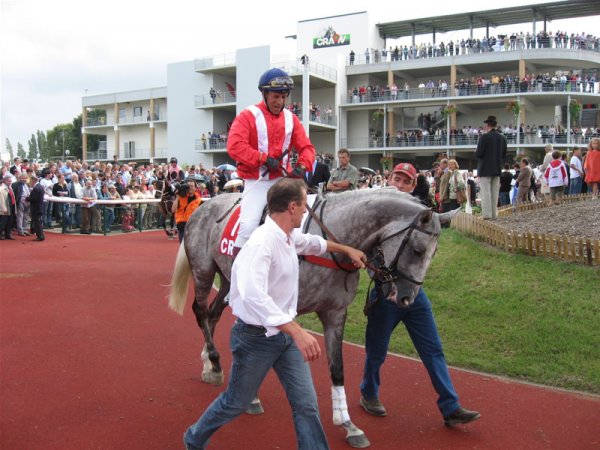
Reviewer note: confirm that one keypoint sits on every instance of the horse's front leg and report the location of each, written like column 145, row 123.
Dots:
column 333, row 329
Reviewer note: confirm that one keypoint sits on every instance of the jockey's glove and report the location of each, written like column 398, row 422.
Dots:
column 272, row 163
column 298, row 172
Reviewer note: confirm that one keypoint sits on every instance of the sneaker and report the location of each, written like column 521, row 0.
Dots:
column 461, row 415
column 373, row 407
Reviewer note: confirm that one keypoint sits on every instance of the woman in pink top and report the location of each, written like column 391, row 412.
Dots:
column 592, row 166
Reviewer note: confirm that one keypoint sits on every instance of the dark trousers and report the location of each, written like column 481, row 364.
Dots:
column 37, row 225
column 6, row 224
column 181, row 230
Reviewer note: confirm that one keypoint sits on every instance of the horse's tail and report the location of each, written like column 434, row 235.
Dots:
column 180, row 281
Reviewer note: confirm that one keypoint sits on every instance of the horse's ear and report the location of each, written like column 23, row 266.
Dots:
column 426, row 216
column 448, row 216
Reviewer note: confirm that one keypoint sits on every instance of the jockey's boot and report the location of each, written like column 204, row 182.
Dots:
column 235, row 252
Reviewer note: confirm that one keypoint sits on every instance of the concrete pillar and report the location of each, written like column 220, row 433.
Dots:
column 116, row 128
column 451, row 89
column 152, row 131
column 522, row 73
column 390, row 112
column 306, row 99
column 83, row 134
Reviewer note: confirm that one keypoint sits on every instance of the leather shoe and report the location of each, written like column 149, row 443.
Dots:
column 10, row 238
column 38, row 239
column 461, row 415
column 373, row 407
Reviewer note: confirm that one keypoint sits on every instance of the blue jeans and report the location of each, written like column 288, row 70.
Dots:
column 575, row 186
column 504, row 198
column 48, row 206
column 253, row 355
column 418, row 319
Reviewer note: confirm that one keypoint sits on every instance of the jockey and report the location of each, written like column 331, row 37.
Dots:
column 175, row 173
column 259, row 140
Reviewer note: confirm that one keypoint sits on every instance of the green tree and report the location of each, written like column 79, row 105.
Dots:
column 33, row 148
column 42, row 146
column 9, row 149
column 21, row 151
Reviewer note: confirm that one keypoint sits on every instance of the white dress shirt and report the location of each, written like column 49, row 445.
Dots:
column 264, row 276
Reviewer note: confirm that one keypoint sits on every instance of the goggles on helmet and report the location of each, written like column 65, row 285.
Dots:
column 279, row 84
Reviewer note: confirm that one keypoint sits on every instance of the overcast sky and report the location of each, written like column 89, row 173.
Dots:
column 52, row 51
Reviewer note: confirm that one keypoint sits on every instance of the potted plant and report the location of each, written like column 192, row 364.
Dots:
column 386, row 162
column 514, row 106
column 448, row 110
column 575, row 111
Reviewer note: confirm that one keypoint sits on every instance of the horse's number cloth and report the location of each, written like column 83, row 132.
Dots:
column 233, row 226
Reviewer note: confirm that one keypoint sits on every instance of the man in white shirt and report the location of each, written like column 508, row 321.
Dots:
column 47, row 183
column 264, row 296
column 576, row 174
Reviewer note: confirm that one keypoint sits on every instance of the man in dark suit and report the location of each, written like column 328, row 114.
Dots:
column 36, row 200
column 21, row 190
column 491, row 153
column 319, row 174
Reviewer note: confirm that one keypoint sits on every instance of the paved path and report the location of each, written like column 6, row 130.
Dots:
column 91, row 358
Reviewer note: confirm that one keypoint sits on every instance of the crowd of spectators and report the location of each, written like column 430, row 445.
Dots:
column 514, row 41
column 468, row 135
column 111, row 181
column 559, row 81
column 317, row 114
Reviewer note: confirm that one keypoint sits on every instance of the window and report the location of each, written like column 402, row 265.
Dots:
column 137, row 111
column 129, row 149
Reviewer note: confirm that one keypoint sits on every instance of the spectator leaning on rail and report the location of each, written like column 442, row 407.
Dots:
column 258, row 140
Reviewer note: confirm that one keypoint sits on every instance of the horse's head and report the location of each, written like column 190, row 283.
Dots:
column 404, row 253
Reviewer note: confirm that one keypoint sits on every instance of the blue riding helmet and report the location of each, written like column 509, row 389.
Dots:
column 275, row 80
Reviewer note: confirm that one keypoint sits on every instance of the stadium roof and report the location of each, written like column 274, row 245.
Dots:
column 495, row 17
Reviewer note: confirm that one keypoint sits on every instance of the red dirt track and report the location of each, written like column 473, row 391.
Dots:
column 92, row 358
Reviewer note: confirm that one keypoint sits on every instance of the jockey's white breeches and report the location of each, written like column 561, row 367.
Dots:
column 253, row 204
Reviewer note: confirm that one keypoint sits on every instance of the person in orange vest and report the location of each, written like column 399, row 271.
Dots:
column 186, row 202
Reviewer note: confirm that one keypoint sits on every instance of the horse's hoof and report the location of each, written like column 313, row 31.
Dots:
column 355, row 436
column 214, row 378
column 359, row 441
column 255, row 408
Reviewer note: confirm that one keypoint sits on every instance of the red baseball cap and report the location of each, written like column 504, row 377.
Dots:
column 407, row 169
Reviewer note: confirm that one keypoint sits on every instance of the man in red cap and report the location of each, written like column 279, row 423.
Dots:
column 383, row 315
column 403, row 177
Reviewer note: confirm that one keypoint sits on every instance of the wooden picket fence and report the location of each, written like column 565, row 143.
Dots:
column 508, row 210
column 566, row 248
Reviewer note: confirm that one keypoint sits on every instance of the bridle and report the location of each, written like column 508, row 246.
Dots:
column 390, row 273
column 380, row 272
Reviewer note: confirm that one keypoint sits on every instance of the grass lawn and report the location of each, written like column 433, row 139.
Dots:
column 513, row 315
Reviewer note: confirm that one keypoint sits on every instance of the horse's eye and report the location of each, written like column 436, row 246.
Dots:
column 418, row 252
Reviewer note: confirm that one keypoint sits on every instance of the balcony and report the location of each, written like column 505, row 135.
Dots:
column 468, row 90
column 294, row 68
column 220, row 99
column 422, row 52
column 211, row 63
column 211, row 144
column 415, row 142
column 125, row 120
column 143, row 153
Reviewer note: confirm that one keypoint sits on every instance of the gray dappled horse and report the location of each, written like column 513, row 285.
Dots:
column 389, row 226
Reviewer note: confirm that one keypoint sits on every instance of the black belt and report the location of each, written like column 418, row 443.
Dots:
column 254, row 327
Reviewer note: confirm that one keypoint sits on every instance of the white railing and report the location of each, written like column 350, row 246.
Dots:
column 226, row 59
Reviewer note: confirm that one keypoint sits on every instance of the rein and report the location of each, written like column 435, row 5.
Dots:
column 381, row 272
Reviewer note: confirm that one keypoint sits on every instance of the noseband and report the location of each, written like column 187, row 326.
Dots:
column 390, row 273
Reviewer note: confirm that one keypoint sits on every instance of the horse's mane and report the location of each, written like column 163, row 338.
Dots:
column 360, row 194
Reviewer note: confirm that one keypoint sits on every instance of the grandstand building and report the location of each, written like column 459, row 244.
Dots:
column 387, row 91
